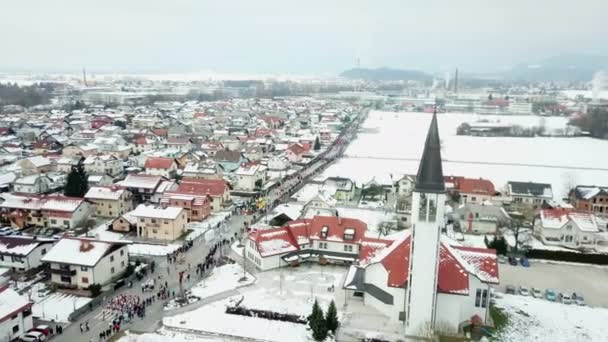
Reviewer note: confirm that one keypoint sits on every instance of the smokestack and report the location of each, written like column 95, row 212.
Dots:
column 84, row 77
column 456, row 81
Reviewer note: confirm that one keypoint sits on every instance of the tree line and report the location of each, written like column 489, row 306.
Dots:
column 26, row 96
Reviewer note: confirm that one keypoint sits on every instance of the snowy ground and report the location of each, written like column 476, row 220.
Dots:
column 371, row 217
column 56, row 306
column 164, row 335
column 401, row 136
column 538, row 320
column 150, row 249
column 224, row 278
column 199, row 228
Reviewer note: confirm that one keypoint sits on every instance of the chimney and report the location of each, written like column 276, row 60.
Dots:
column 85, row 245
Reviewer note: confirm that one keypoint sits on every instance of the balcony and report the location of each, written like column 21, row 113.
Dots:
column 63, row 272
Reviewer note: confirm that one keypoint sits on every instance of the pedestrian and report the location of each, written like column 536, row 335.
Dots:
column 86, row 324
column 81, row 328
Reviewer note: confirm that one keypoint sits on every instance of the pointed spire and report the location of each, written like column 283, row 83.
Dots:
column 430, row 172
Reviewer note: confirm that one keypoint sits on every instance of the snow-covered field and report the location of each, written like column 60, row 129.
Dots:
column 164, row 335
column 150, row 249
column 397, row 139
column 58, row 306
column 371, row 217
column 224, row 278
column 538, row 320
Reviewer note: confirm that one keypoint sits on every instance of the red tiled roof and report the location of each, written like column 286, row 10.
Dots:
column 475, row 186
column 161, row 132
column 369, row 247
column 299, row 148
column 159, row 163
column 274, row 241
column 213, row 187
column 336, row 226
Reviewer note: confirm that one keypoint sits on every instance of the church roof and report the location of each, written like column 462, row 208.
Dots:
column 430, row 172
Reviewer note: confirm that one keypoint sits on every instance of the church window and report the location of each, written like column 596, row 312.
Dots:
column 432, row 210
column 422, row 208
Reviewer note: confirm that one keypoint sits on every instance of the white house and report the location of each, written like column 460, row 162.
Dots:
column 160, row 222
column 15, row 314
column 80, row 262
column 104, row 164
column 160, row 166
column 53, row 211
column 570, row 228
column 250, row 176
column 33, row 184
column 530, row 194
column 22, row 253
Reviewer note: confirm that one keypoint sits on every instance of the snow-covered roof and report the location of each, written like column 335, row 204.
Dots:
column 51, row 202
column 104, row 193
column 39, row 161
column 11, row 302
column 558, row 217
column 80, row 251
column 153, row 211
column 19, row 245
column 140, row 181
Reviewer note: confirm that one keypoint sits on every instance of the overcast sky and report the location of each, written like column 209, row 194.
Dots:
column 307, row 37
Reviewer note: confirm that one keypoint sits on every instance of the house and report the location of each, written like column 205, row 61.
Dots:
column 405, row 185
column 104, row 163
column 66, row 163
column 142, row 143
column 529, row 194
column 54, row 211
column 345, row 188
column 230, row 160
column 570, row 228
column 34, row 184
column 79, row 151
column 160, row 222
column 216, row 188
column 100, row 179
column 141, row 186
column 180, row 143
column 323, row 204
column 469, row 190
column 37, row 164
column 110, row 201
column 81, row 262
column 423, row 278
column 6, row 181
column 125, row 223
column 322, row 238
column 207, row 169
column 159, row 166
column 250, row 176
column 197, row 206
column 15, row 314
column 480, row 218
column 23, row 253
column 278, row 163
column 47, row 145
column 590, row 198
column 295, row 152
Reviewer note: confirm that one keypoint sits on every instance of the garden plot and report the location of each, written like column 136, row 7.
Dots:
column 56, row 306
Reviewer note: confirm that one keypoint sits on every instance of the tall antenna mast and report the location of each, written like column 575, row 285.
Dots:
column 84, row 77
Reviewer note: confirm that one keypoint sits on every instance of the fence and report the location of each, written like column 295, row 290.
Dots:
column 585, row 258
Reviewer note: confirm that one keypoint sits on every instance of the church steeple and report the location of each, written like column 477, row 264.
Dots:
column 430, row 172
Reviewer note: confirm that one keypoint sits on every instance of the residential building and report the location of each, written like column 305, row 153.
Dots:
column 160, row 222
column 23, row 253
column 81, row 262
column 100, row 179
column 345, row 188
column 217, row 189
column 590, row 198
column 80, row 150
column 159, row 166
column 141, row 186
column 110, row 201
column 197, row 206
column 571, row 228
column 15, row 314
column 34, row 184
column 104, row 163
column 230, row 160
column 52, row 211
column 295, row 152
column 469, row 190
column 529, row 194
column 480, row 218
column 35, row 165
column 250, row 176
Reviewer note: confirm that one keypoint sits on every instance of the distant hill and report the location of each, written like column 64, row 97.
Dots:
column 559, row 68
column 386, row 74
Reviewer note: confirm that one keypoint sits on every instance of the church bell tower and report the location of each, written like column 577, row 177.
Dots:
column 428, row 207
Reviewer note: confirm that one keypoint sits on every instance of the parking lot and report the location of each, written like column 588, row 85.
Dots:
column 588, row 280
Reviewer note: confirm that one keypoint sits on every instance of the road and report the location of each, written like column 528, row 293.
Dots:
column 154, row 312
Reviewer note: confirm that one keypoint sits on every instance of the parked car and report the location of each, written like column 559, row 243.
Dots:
column 510, row 289
column 524, row 262
column 565, row 298
column 524, row 291
column 513, row 261
column 45, row 329
column 578, row 299
column 502, row 259
column 536, row 293
column 34, row 336
column 4, row 231
column 550, row 295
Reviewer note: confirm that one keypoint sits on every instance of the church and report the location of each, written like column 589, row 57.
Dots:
column 424, row 279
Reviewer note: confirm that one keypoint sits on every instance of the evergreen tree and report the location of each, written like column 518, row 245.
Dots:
column 77, row 183
column 331, row 318
column 317, row 323
column 317, row 145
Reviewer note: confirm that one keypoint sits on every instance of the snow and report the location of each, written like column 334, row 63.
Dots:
column 10, row 301
column 164, row 335
column 68, row 251
column 500, row 159
column 213, row 319
column 57, row 306
column 104, row 193
column 532, row 319
column 221, row 279
column 17, row 245
column 168, row 213
column 372, row 218
column 150, row 249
